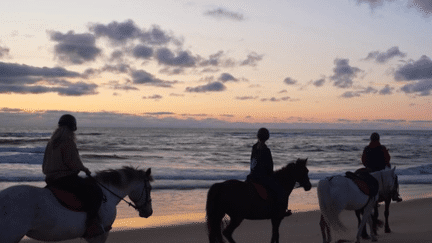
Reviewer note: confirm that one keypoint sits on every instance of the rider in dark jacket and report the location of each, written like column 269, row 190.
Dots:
column 261, row 166
column 376, row 157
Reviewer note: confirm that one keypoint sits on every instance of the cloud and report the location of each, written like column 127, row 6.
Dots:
column 162, row 113
column 153, row 97
column 142, row 51
column 116, row 85
column 423, row 6
column 387, row 90
column 226, row 77
column 120, row 33
column 221, row 13
column 12, row 70
column 358, row 93
column 246, row 97
column 4, row 52
column 143, row 77
column 374, row 3
column 422, row 87
column 74, row 48
column 65, row 89
column 167, row 57
column 319, row 82
column 344, row 73
column 420, row 69
column 383, row 57
column 252, row 59
column 273, row 99
column 210, row 87
column 290, row 81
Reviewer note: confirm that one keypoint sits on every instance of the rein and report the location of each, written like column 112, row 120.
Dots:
column 129, row 203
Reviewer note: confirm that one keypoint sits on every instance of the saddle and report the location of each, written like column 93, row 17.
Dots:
column 68, row 199
column 365, row 182
column 261, row 190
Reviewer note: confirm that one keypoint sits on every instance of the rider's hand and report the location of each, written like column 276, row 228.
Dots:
column 87, row 171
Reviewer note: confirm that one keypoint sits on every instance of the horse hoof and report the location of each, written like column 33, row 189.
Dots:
column 387, row 231
column 365, row 237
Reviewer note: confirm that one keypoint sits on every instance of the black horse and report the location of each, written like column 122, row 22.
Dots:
column 239, row 200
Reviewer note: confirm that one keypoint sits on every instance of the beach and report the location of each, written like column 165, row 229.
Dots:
column 410, row 221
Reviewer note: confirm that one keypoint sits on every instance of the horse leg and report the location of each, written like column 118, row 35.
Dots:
column 229, row 230
column 364, row 232
column 367, row 217
column 98, row 239
column 275, row 229
column 325, row 230
column 386, row 215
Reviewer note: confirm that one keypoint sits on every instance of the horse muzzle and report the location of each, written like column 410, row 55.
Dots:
column 146, row 213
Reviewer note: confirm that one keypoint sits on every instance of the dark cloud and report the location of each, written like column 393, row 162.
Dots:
column 142, row 51
column 116, row 85
column 319, row 82
column 422, row 87
column 70, row 89
column 120, row 33
column 117, row 32
column 4, row 51
column 74, row 48
column 77, row 89
column 273, row 99
column 252, row 59
column 143, row 77
column 387, row 90
column 420, row 69
column 226, row 77
column 221, row 13
column 358, row 93
column 423, row 6
column 23, row 74
column 162, row 113
column 210, row 87
column 153, row 97
column 290, row 81
column 246, row 97
column 344, row 73
column 383, row 57
column 167, row 57
column 374, row 3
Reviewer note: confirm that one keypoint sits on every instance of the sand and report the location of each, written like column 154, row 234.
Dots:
column 410, row 221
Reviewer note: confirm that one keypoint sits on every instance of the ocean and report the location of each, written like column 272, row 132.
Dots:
column 186, row 162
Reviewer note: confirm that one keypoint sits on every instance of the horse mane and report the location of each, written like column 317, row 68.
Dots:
column 284, row 170
column 122, row 177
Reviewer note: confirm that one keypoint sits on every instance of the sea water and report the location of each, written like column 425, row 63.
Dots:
column 186, row 162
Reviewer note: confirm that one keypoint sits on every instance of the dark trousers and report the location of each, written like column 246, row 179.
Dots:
column 86, row 191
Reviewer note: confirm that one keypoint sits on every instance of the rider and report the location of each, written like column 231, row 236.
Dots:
column 376, row 157
column 62, row 164
column 261, row 166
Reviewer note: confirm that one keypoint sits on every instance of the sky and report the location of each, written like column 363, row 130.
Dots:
column 356, row 64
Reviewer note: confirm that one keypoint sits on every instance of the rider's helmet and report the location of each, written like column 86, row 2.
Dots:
column 263, row 134
column 69, row 121
column 375, row 137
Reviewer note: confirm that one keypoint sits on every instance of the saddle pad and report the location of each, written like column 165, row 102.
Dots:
column 365, row 182
column 262, row 192
column 67, row 199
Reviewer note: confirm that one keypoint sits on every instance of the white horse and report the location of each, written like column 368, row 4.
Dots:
column 339, row 193
column 36, row 213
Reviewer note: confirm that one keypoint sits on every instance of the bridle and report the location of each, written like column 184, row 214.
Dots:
column 135, row 206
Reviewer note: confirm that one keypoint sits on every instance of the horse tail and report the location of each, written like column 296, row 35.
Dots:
column 214, row 214
column 328, row 205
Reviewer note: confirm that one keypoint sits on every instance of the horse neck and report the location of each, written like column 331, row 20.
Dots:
column 286, row 179
column 114, row 193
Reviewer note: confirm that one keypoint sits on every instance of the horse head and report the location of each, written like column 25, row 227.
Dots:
column 302, row 174
column 140, row 195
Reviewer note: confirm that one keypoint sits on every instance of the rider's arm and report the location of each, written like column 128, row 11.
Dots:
column 71, row 157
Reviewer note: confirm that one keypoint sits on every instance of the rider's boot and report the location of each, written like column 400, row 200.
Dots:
column 396, row 197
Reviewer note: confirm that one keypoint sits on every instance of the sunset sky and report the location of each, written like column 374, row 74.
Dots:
column 330, row 64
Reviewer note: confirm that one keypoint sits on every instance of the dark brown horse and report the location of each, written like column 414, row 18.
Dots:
column 239, row 200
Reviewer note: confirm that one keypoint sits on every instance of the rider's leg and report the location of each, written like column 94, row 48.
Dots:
column 396, row 197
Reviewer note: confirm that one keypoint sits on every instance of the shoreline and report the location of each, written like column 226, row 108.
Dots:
column 409, row 221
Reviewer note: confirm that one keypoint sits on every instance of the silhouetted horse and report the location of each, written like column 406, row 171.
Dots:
column 239, row 200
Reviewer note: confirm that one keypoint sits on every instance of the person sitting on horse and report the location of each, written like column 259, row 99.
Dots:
column 376, row 157
column 261, row 166
column 61, row 166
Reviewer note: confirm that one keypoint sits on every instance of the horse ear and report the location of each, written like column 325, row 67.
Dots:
column 148, row 172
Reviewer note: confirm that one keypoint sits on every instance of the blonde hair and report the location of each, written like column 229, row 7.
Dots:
column 62, row 133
